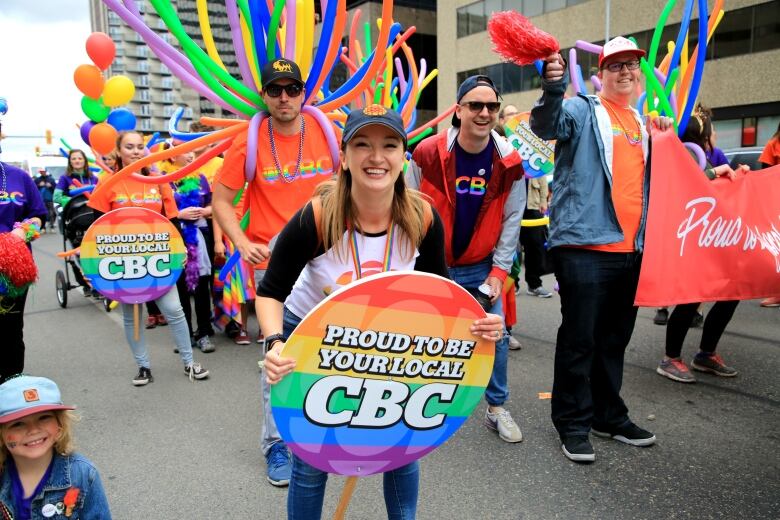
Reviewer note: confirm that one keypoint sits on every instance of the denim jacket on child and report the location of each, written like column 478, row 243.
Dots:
column 68, row 472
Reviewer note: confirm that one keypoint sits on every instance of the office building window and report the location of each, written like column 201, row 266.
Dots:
column 766, row 28
column 732, row 37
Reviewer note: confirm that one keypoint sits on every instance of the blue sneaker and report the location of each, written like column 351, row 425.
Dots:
column 279, row 465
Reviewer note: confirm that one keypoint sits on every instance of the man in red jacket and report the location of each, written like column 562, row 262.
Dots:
column 475, row 181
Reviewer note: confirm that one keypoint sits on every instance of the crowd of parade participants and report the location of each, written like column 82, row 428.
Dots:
column 597, row 211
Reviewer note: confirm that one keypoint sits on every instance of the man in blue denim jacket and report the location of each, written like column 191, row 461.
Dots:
column 597, row 221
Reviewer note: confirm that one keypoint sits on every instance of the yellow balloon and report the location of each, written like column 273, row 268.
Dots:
column 118, row 91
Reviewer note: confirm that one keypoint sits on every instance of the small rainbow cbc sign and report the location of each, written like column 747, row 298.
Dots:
column 537, row 154
column 132, row 255
column 387, row 370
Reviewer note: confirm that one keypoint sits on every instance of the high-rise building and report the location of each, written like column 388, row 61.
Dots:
column 158, row 92
column 743, row 57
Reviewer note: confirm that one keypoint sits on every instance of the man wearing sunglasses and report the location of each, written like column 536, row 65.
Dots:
column 292, row 159
column 474, row 178
column 597, row 224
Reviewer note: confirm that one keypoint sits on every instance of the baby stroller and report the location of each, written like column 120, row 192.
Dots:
column 76, row 218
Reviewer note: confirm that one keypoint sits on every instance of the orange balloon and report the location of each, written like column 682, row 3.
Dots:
column 89, row 80
column 102, row 138
column 101, row 49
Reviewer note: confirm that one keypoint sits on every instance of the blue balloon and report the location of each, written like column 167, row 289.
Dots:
column 3, row 106
column 121, row 119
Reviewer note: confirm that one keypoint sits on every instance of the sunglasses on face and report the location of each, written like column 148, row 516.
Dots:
column 617, row 66
column 293, row 90
column 478, row 106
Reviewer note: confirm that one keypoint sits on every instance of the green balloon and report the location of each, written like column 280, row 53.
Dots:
column 95, row 109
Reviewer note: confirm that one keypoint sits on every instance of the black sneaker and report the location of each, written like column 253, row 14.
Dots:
column 144, row 377
column 629, row 433
column 661, row 316
column 195, row 371
column 698, row 320
column 577, row 448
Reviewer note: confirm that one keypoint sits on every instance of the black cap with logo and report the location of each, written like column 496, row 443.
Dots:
column 280, row 69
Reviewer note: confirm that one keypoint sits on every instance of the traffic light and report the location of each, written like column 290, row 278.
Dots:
column 48, row 136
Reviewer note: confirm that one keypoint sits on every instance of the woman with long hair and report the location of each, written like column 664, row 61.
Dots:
column 367, row 213
column 77, row 174
column 159, row 198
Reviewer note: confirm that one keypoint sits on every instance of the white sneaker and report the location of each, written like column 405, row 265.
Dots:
column 502, row 422
column 514, row 344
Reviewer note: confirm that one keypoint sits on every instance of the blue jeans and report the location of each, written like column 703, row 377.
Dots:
column 170, row 306
column 471, row 277
column 307, row 485
column 307, row 491
column 597, row 292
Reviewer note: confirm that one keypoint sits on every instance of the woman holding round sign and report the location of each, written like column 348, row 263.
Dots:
column 362, row 223
column 158, row 198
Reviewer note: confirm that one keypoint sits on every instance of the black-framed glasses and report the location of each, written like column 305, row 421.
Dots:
column 617, row 66
column 478, row 106
column 293, row 90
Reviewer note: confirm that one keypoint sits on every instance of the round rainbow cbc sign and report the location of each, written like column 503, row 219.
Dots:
column 132, row 255
column 387, row 370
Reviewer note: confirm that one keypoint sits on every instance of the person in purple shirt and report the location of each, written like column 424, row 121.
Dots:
column 21, row 212
column 77, row 173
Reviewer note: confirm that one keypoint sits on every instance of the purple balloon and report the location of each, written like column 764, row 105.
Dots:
column 85, row 128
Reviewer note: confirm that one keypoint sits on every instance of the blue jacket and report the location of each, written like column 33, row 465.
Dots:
column 68, row 471
column 581, row 211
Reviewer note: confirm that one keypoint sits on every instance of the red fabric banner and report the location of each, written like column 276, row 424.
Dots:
column 708, row 240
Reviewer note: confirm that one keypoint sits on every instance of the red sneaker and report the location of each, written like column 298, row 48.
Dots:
column 771, row 302
column 151, row 322
column 260, row 337
column 161, row 321
column 242, row 338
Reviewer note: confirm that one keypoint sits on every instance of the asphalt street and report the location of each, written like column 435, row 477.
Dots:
column 178, row 449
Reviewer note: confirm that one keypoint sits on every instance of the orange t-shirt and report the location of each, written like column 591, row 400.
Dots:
column 131, row 193
column 272, row 200
column 628, row 172
column 771, row 153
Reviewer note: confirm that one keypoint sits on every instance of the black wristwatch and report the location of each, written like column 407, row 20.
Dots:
column 273, row 338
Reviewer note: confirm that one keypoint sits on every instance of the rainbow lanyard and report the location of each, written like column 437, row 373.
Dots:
column 387, row 257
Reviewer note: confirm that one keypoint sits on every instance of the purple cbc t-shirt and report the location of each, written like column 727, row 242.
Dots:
column 472, row 174
column 20, row 199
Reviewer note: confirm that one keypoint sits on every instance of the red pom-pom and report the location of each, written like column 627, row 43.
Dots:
column 517, row 40
column 16, row 261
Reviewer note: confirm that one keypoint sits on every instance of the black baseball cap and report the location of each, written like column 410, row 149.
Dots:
column 280, row 69
column 470, row 84
column 373, row 115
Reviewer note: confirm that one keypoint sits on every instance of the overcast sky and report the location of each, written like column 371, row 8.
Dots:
column 41, row 44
